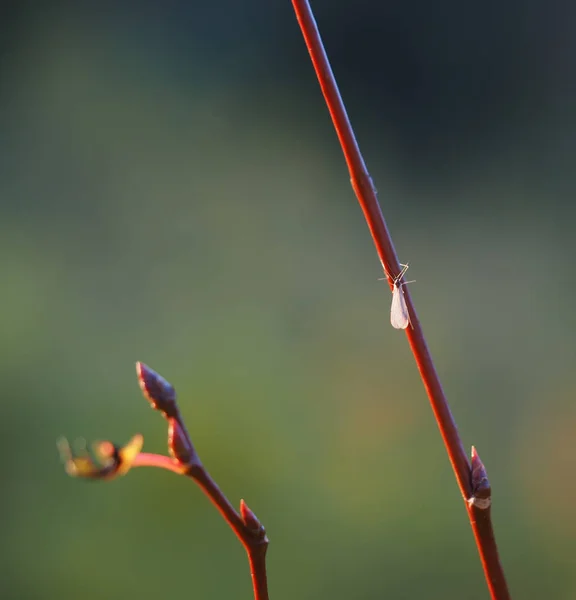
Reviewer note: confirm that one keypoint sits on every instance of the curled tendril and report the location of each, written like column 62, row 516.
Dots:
column 105, row 460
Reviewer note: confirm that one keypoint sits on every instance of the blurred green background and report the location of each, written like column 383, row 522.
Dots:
column 172, row 191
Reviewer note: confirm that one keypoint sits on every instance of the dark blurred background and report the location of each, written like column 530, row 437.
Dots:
column 172, row 191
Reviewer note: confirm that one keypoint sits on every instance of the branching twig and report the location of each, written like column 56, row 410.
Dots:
column 478, row 508
column 110, row 461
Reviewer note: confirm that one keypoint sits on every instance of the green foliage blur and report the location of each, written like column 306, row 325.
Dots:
column 172, row 191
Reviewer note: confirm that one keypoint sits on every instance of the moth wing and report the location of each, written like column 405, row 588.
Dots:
column 399, row 317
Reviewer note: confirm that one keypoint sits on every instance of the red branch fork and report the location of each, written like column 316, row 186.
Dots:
column 472, row 480
column 110, row 460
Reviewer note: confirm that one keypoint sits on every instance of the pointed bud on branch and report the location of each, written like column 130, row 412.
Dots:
column 481, row 491
column 251, row 521
column 180, row 444
column 160, row 393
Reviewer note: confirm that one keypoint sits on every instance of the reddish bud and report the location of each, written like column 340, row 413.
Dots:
column 156, row 389
column 179, row 443
column 251, row 521
column 481, row 491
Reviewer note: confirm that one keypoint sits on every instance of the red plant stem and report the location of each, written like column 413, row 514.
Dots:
column 185, row 461
column 366, row 194
column 145, row 459
column 258, row 573
column 209, row 487
column 255, row 543
column 484, row 535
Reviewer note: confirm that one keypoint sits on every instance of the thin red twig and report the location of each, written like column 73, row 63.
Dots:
column 481, row 520
column 366, row 194
column 248, row 530
column 185, row 460
column 146, row 459
column 251, row 534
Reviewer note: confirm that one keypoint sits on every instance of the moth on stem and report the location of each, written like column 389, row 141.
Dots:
column 399, row 314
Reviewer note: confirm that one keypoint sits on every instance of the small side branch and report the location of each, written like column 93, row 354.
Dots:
column 366, row 194
column 107, row 461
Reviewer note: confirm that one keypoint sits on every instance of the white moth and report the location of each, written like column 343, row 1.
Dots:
column 399, row 316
